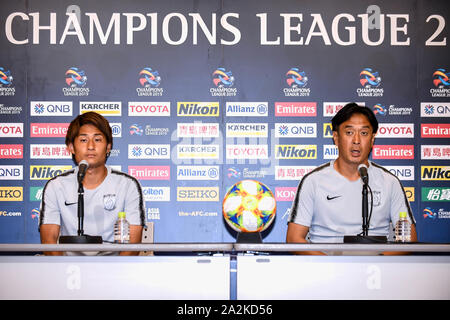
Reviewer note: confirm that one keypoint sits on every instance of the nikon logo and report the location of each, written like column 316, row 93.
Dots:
column 198, row 109
column 435, row 173
column 46, row 172
column 296, row 151
column 11, row 193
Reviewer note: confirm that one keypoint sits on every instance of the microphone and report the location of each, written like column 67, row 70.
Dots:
column 82, row 168
column 362, row 169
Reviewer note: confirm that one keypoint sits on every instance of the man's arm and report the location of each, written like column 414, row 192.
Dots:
column 135, row 237
column 49, row 235
column 297, row 233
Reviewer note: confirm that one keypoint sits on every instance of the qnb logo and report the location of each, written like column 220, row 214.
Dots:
column 6, row 78
column 428, row 109
column 441, row 79
column 149, row 78
column 296, row 78
column 75, row 77
column 369, row 78
column 136, row 151
column 283, row 130
column 223, row 78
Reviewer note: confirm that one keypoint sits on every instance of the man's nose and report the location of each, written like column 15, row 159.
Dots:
column 356, row 139
column 90, row 144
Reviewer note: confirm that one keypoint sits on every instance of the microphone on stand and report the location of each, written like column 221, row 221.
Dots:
column 81, row 237
column 364, row 236
column 82, row 168
column 362, row 169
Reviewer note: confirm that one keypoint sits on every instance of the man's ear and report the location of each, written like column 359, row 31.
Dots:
column 335, row 137
column 108, row 148
column 71, row 148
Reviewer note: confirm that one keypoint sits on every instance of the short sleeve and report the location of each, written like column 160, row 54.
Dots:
column 399, row 202
column 303, row 205
column 135, row 204
column 50, row 212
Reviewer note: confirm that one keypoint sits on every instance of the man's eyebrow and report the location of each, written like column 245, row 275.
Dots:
column 351, row 126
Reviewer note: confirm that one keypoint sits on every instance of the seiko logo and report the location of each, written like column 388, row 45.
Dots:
column 197, row 194
column 11, row 193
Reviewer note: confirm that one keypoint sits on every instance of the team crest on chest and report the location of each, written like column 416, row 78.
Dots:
column 376, row 200
column 109, row 201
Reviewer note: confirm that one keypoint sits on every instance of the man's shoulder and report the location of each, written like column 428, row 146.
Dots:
column 123, row 177
column 63, row 177
column 318, row 171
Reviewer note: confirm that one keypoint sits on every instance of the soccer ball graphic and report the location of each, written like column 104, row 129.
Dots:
column 249, row 206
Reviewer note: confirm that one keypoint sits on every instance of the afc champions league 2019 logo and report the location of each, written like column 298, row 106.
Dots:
column 149, row 78
column 223, row 80
column 370, row 81
column 441, row 79
column 76, row 80
column 297, row 81
column 150, row 81
column 441, row 82
column 296, row 78
column 6, row 78
column 6, row 83
column 75, row 77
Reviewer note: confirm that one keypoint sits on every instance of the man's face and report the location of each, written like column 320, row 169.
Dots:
column 354, row 140
column 90, row 145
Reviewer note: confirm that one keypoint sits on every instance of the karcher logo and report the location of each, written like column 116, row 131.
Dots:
column 198, row 109
column 46, row 172
column 297, row 151
column 11, row 193
column 440, row 173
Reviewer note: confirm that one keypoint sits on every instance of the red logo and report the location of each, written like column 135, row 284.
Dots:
column 435, row 130
column 150, row 172
column 48, row 130
column 11, row 151
column 393, row 152
column 295, row 109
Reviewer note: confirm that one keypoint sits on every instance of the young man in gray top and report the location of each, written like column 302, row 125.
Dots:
column 328, row 199
column 106, row 191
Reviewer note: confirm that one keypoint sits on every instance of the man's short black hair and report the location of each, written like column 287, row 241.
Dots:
column 348, row 111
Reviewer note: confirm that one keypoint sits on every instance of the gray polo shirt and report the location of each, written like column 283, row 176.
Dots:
column 118, row 192
column 331, row 205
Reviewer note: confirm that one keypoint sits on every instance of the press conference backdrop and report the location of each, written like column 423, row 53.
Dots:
column 203, row 94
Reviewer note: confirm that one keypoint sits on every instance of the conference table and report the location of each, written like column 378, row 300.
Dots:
column 226, row 271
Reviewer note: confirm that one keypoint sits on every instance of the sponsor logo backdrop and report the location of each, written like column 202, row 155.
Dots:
column 203, row 94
